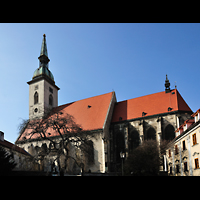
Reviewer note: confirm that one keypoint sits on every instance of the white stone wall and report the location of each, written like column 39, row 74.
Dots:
column 188, row 155
column 99, row 155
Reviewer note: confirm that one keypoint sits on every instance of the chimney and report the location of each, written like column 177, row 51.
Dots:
column 1, row 136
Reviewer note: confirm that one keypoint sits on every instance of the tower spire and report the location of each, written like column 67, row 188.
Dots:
column 43, row 58
column 44, row 47
column 167, row 85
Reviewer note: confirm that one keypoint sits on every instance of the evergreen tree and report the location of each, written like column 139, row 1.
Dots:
column 6, row 161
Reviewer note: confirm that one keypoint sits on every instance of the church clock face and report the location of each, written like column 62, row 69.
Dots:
column 35, row 110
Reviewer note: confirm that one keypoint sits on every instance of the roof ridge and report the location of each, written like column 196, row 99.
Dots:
column 85, row 99
column 144, row 96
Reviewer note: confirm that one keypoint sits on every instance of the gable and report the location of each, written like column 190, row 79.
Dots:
column 182, row 105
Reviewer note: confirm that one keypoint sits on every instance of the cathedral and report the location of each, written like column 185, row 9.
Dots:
column 118, row 126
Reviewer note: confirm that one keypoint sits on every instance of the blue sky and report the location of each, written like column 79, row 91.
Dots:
column 92, row 59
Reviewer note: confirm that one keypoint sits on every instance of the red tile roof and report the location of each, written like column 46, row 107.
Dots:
column 189, row 122
column 13, row 147
column 196, row 113
column 152, row 104
column 90, row 113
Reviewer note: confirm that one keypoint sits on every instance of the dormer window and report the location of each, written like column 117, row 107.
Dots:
column 35, row 98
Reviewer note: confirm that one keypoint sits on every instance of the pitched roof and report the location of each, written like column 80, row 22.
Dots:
column 90, row 113
column 196, row 113
column 152, row 104
column 13, row 147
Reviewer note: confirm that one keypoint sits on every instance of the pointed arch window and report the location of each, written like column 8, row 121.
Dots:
column 35, row 98
column 50, row 100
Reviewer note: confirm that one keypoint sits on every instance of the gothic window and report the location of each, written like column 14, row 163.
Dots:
column 51, row 146
column 134, row 140
column 120, row 141
column 50, row 90
column 90, row 152
column 151, row 134
column 50, row 100
column 169, row 133
column 35, row 98
column 87, row 150
column 44, row 148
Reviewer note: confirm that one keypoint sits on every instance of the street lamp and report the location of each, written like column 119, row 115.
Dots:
column 122, row 156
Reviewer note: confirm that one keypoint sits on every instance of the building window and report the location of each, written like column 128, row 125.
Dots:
column 170, row 153
column 183, row 145
column 170, row 170
column 50, row 90
column 35, row 98
column 196, row 161
column 185, row 167
column 177, row 168
column 150, row 134
column 194, row 139
column 176, row 149
column 50, row 100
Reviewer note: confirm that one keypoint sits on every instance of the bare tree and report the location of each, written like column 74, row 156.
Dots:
column 56, row 125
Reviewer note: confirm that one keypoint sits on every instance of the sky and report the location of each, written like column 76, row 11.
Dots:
column 90, row 59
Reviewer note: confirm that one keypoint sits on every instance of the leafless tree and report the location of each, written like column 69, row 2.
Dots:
column 55, row 124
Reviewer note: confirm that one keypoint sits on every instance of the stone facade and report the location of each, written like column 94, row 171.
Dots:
column 130, row 134
column 101, row 148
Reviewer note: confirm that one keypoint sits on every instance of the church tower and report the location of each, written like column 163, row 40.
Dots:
column 43, row 93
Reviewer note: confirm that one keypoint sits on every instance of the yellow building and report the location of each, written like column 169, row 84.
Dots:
column 182, row 153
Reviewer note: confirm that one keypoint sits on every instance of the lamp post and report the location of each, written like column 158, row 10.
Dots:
column 122, row 156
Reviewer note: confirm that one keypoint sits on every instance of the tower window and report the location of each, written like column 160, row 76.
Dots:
column 50, row 90
column 50, row 100
column 35, row 98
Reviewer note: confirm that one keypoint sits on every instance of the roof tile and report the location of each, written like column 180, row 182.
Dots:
column 152, row 104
